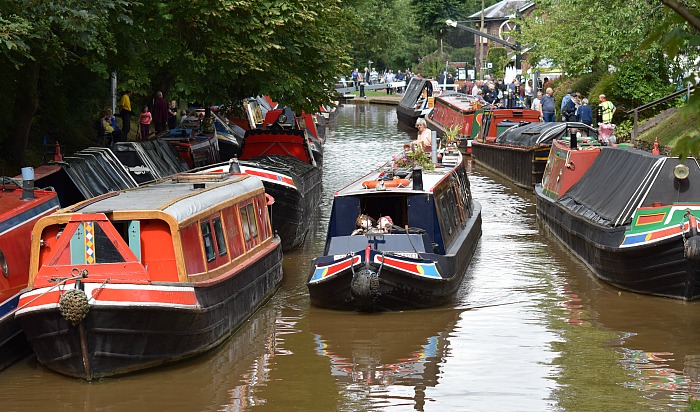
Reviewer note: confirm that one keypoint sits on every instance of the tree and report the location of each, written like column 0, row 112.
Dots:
column 680, row 33
column 44, row 39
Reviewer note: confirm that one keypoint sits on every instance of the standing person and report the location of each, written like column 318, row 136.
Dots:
column 355, row 78
column 492, row 95
column 608, row 109
column 477, row 86
column 389, row 79
column 568, row 114
column 145, row 122
column 424, row 138
column 373, row 76
column 125, row 112
column 585, row 113
column 537, row 103
column 565, row 101
column 160, row 113
column 548, row 110
column 172, row 115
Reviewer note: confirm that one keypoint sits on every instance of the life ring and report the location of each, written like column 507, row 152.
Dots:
column 371, row 184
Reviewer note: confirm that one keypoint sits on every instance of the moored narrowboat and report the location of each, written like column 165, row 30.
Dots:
column 20, row 208
column 461, row 111
column 417, row 100
column 520, row 153
column 295, row 186
column 398, row 238
column 630, row 216
column 142, row 277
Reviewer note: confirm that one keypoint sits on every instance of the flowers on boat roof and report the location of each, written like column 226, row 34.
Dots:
column 411, row 157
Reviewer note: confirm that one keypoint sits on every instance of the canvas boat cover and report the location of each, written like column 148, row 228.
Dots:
column 537, row 134
column 149, row 160
column 621, row 180
column 414, row 89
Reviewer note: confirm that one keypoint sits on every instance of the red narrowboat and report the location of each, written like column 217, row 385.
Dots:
column 19, row 211
column 142, row 277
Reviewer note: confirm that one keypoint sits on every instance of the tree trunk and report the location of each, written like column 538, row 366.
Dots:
column 26, row 104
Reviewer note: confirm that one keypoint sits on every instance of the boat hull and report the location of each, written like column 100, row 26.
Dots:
column 13, row 342
column 524, row 166
column 17, row 218
column 121, row 337
column 404, row 283
column 295, row 202
column 659, row 268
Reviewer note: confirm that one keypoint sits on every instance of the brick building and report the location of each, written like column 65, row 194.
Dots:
column 496, row 21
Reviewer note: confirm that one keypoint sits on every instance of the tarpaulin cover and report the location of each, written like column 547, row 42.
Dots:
column 621, row 180
column 532, row 134
column 414, row 89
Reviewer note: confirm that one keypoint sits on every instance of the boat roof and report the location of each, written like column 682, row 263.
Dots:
column 182, row 197
column 621, row 180
column 541, row 133
column 460, row 101
column 431, row 178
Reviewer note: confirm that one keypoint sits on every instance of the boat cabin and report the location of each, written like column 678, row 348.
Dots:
column 439, row 209
column 188, row 229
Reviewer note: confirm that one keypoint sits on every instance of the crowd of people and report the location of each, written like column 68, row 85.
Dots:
column 368, row 77
column 164, row 117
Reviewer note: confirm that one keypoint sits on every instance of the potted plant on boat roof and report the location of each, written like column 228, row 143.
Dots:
column 450, row 137
column 413, row 157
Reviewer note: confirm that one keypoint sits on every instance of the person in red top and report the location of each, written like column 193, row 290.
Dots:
column 160, row 113
column 145, row 122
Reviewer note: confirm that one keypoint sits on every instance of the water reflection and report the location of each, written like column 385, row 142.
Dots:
column 381, row 360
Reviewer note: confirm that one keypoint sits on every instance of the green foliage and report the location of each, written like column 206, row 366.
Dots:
column 579, row 45
column 498, row 56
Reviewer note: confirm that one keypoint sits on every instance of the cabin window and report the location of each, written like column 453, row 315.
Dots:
column 245, row 224
column 208, row 241
column 220, row 238
column 253, row 221
column 105, row 251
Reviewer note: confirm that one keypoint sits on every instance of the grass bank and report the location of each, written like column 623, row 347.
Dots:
column 670, row 130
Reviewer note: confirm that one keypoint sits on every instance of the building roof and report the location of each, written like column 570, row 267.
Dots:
column 503, row 10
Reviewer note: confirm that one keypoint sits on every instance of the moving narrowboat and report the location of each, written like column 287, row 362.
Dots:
column 143, row 277
column 21, row 206
column 520, row 153
column 417, row 101
column 629, row 215
column 398, row 238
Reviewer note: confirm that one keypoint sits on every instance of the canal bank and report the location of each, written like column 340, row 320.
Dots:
column 390, row 100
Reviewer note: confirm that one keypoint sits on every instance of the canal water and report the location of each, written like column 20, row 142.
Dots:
column 531, row 330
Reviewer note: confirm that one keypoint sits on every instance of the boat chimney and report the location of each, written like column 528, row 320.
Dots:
column 234, row 166
column 573, row 140
column 57, row 157
column 27, row 183
column 418, row 178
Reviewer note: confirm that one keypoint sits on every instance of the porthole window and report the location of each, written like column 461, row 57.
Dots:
column 3, row 265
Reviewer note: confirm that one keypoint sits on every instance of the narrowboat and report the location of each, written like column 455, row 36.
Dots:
column 520, row 153
column 196, row 150
column 629, row 215
column 21, row 206
column 294, row 184
column 417, row 101
column 398, row 238
column 454, row 109
column 142, row 277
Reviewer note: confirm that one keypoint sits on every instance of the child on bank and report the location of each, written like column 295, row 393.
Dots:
column 145, row 122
